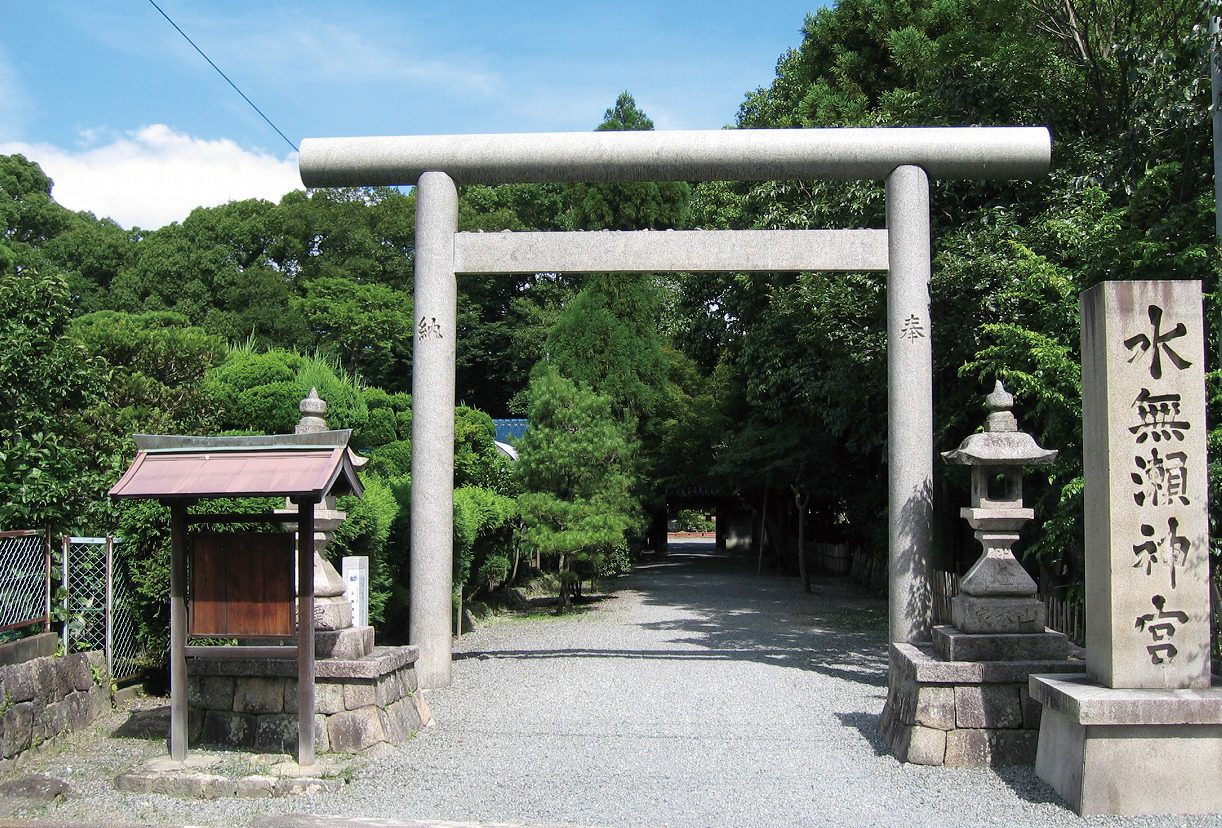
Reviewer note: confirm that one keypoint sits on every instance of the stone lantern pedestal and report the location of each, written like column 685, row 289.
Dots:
column 962, row 700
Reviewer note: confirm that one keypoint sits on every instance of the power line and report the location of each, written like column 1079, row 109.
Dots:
column 226, row 77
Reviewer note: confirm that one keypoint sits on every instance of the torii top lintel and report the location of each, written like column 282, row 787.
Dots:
column 706, row 155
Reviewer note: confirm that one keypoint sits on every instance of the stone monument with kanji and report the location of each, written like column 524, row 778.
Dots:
column 1141, row 731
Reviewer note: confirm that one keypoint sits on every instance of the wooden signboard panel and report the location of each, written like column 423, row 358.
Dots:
column 242, row 584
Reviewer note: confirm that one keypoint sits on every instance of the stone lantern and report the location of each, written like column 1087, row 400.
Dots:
column 997, row 595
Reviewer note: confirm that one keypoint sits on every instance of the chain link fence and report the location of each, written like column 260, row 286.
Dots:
column 96, row 604
column 25, row 579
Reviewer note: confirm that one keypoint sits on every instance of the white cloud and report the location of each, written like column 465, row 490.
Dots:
column 153, row 176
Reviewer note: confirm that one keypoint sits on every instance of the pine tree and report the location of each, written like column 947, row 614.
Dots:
column 574, row 471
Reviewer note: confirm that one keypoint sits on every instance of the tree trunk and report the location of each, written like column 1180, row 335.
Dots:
column 759, row 564
column 564, row 585
column 800, row 499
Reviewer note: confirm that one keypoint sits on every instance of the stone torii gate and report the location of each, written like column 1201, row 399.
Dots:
column 905, row 158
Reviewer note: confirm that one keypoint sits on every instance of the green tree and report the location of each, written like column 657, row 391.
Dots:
column 47, row 381
column 575, row 475
column 367, row 326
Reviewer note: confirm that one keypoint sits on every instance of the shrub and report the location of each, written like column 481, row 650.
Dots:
column 378, row 430
column 367, row 531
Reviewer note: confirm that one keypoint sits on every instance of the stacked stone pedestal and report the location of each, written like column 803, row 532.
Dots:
column 963, row 701
column 360, row 703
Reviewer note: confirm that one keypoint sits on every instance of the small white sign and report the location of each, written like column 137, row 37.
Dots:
column 356, row 579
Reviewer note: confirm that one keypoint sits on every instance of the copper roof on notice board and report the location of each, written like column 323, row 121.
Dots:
column 220, row 470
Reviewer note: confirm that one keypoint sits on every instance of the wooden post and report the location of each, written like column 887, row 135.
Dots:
column 178, row 630
column 305, row 632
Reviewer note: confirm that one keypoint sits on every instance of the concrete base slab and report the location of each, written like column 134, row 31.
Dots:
column 955, row 645
column 214, row 775
column 1130, row 752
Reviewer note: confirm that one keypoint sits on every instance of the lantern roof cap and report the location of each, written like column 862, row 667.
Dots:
column 1001, row 443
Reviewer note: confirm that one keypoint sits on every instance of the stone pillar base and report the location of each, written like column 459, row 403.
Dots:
column 962, row 713
column 359, row 703
column 1130, row 752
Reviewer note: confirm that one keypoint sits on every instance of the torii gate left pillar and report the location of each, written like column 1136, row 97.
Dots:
column 906, row 158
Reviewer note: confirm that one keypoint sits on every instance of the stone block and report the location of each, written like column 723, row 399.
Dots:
column 139, row 783
column 387, row 690
column 967, row 748
column 1130, row 770
column 276, row 733
column 99, row 701
column 17, row 729
column 228, row 729
column 392, row 726
column 358, row 694
column 65, row 676
column 332, row 613
column 973, row 614
column 216, row 692
column 955, row 645
column 78, row 668
column 350, row 643
column 54, row 720
column 935, row 707
column 328, row 697
column 19, row 683
column 922, row 745
column 409, row 715
column 195, row 726
column 290, row 695
column 257, row 695
column 49, row 684
column 216, row 787
column 79, row 710
column 355, row 730
column 29, row 648
column 422, row 709
column 254, row 787
column 322, row 739
column 1013, row 747
column 185, row 787
column 972, row 748
column 1002, row 706
column 407, row 676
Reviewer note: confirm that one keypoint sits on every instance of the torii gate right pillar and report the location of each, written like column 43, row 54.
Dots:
column 909, row 406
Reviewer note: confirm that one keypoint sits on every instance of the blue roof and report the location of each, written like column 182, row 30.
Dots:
column 509, row 431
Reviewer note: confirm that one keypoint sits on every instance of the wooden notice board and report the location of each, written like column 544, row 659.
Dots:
column 242, row 584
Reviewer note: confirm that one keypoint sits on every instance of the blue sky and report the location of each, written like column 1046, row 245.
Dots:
column 132, row 123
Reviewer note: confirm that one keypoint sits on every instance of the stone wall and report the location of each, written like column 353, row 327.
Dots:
column 961, row 713
column 253, row 704
column 47, row 696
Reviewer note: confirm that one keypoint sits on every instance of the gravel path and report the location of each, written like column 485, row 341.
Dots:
column 699, row 694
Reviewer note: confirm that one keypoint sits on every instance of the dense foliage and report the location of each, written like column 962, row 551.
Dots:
column 767, row 387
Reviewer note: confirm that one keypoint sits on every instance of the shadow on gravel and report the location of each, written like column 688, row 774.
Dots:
column 1022, row 780
column 730, row 612
column 867, row 725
